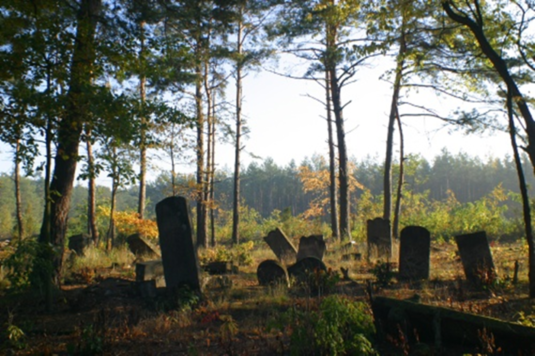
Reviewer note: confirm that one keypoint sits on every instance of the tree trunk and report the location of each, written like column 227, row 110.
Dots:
column 92, row 192
column 333, row 196
column 513, row 91
column 209, row 146
column 525, row 198
column 237, row 147
column 18, row 199
column 201, row 204
column 110, row 237
column 397, row 209
column 211, row 197
column 70, row 129
column 143, row 135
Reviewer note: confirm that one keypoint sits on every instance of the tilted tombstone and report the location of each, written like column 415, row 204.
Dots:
column 270, row 272
column 281, row 246
column 139, row 247
column 379, row 238
column 179, row 256
column 311, row 246
column 414, row 253
column 78, row 243
column 476, row 257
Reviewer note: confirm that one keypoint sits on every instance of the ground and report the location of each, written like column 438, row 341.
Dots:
column 100, row 311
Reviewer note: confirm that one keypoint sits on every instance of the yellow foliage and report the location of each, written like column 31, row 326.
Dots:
column 128, row 223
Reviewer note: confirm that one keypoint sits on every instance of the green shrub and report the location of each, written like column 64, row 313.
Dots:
column 339, row 327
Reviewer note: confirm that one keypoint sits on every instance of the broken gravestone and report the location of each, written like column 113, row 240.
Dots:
column 311, row 246
column 270, row 272
column 379, row 238
column 301, row 270
column 179, row 256
column 78, row 243
column 150, row 271
column 476, row 257
column 281, row 246
column 139, row 247
column 414, row 253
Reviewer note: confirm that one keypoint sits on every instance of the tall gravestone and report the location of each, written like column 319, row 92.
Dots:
column 379, row 238
column 414, row 253
column 179, row 256
column 311, row 246
column 476, row 257
column 139, row 247
column 281, row 246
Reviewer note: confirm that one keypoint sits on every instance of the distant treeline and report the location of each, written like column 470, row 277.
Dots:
column 267, row 187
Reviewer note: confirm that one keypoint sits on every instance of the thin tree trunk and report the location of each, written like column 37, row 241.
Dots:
column 201, row 204
column 332, row 162
column 237, row 147
column 143, row 135
column 387, row 178
column 173, row 164
column 212, row 180
column 525, row 198
column 92, row 192
column 110, row 241
column 397, row 209
column 209, row 144
column 18, row 198
column 69, row 131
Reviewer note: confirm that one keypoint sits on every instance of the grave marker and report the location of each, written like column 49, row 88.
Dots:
column 476, row 257
column 379, row 238
column 311, row 246
column 414, row 253
column 179, row 256
column 281, row 246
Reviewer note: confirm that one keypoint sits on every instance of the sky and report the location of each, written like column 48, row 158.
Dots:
column 286, row 124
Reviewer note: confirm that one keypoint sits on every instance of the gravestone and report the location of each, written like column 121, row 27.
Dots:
column 311, row 246
column 270, row 272
column 78, row 243
column 302, row 268
column 179, row 256
column 414, row 253
column 281, row 246
column 379, row 238
column 476, row 257
column 139, row 247
column 150, row 271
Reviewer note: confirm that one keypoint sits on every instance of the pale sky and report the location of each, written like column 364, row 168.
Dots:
column 286, row 125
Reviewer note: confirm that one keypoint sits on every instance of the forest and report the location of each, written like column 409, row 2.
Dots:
column 95, row 88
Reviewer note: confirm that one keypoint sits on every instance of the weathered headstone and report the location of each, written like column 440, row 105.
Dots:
column 139, row 247
column 414, row 253
column 311, row 246
column 379, row 238
column 218, row 267
column 476, row 257
column 302, row 268
column 150, row 270
column 281, row 246
column 179, row 256
column 78, row 243
column 271, row 272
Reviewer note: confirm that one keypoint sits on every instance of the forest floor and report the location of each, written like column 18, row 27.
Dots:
column 100, row 311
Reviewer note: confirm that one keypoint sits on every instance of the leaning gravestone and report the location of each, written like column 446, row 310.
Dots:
column 281, row 245
column 302, row 268
column 379, row 238
column 139, row 247
column 270, row 272
column 476, row 257
column 311, row 246
column 179, row 256
column 414, row 252
column 78, row 243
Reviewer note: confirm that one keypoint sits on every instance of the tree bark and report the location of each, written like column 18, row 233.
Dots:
column 92, row 192
column 401, row 177
column 143, row 134
column 333, row 196
column 18, row 198
column 70, row 129
column 201, row 204
column 237, row 147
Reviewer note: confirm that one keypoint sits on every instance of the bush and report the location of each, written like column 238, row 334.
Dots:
column 339, row 327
